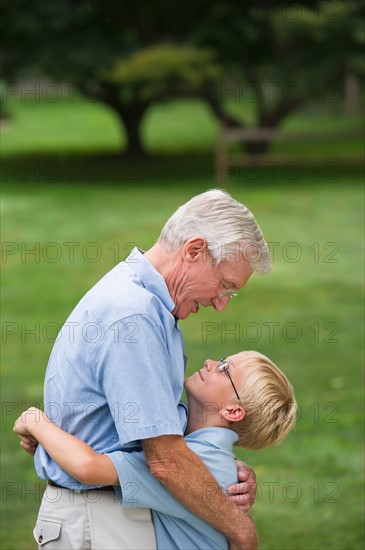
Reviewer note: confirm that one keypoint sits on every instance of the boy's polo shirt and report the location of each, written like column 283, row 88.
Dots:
column 176, row 527
column 116, row 371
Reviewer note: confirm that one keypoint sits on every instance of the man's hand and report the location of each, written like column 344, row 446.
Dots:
column 172, row 463
column 22, row 428
column 243, row 493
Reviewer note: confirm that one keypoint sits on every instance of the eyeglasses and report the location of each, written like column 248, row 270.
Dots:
column 230, row 293
column 223, row 366
column 227, row 292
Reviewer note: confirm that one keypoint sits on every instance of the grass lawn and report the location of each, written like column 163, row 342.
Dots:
column 73, row 126
column 307, row 315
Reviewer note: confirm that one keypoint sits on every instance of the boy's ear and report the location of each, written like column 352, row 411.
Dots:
column 233, row 412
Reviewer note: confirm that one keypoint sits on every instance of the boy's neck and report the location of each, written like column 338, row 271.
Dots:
column 200, row 417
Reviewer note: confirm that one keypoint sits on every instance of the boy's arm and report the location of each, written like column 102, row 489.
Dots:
column 139, row 487
column 73, row 455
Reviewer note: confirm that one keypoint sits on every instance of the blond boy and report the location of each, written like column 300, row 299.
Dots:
column 242, row 400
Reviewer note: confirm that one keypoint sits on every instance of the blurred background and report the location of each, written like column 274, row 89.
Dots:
column 113, row 114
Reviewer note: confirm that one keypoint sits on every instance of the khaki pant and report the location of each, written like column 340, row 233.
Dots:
column 92, row 520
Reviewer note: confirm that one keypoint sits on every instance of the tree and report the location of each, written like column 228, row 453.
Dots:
column 152, row 75
column 281, row 56
column 131, row 53
column 106, row 49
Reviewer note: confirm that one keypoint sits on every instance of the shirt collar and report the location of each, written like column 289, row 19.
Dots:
column 223, row 438
column 150, row 277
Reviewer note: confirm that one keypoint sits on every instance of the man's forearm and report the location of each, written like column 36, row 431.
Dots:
column 177, row 468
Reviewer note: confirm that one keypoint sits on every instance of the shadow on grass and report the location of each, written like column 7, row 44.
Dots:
column 171, row 170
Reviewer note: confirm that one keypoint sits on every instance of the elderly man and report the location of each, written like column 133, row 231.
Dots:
column 115, row 379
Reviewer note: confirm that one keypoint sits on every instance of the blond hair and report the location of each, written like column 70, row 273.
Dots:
column 269, row 401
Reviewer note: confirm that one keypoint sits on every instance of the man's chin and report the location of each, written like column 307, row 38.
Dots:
column 181, row 314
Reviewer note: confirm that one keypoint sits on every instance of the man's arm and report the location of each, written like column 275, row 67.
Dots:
column 175, row 465
column 90, row 467
column 73, row 455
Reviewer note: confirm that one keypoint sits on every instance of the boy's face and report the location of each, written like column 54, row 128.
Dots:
column 209, row 385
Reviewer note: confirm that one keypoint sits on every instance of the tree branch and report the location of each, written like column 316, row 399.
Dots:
column 218, row 111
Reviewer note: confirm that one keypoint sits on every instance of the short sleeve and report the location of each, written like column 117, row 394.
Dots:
column 139, row 489
column 141, row 385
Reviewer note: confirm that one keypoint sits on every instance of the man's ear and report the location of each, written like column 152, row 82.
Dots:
column 233, row 412
column 194, row 247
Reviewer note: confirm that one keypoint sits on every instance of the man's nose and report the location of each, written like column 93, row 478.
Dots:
column 220, row 304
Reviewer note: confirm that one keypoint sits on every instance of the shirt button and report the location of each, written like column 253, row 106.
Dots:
column 40, row 539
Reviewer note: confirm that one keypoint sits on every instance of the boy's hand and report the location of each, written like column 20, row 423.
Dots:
column 28, row 444
column 243, row 493
column 22, row 426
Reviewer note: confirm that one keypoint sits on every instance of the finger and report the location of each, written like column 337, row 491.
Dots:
column 19, row 428
column 25, row 445
column 247, row 476
column 29, row 440
column 248, row 489
column 237, row 489
column 241, row 500
column 245, row 470
column 241, row 503
column 28, row 448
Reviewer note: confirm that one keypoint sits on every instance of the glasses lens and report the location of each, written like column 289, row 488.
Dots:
column 226, row 293
column 222, row 365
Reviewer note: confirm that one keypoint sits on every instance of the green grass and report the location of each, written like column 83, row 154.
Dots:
column 73, row 126
column 307, row 315
column 77, row 126
column 322, row 459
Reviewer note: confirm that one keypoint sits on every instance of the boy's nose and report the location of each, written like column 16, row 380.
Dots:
column 210, row 364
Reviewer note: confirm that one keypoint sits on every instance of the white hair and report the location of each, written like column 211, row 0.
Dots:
column 227, row 225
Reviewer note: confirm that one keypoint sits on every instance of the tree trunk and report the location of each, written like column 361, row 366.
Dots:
column 257, row 147
column 132, row 116
column 352, row 94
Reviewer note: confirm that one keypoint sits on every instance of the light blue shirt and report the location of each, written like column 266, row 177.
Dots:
column 176, row 527
column 116, row 371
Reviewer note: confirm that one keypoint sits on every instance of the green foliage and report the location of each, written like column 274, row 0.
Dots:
column 285, row 55
column 128, row 54
column 162, row 71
